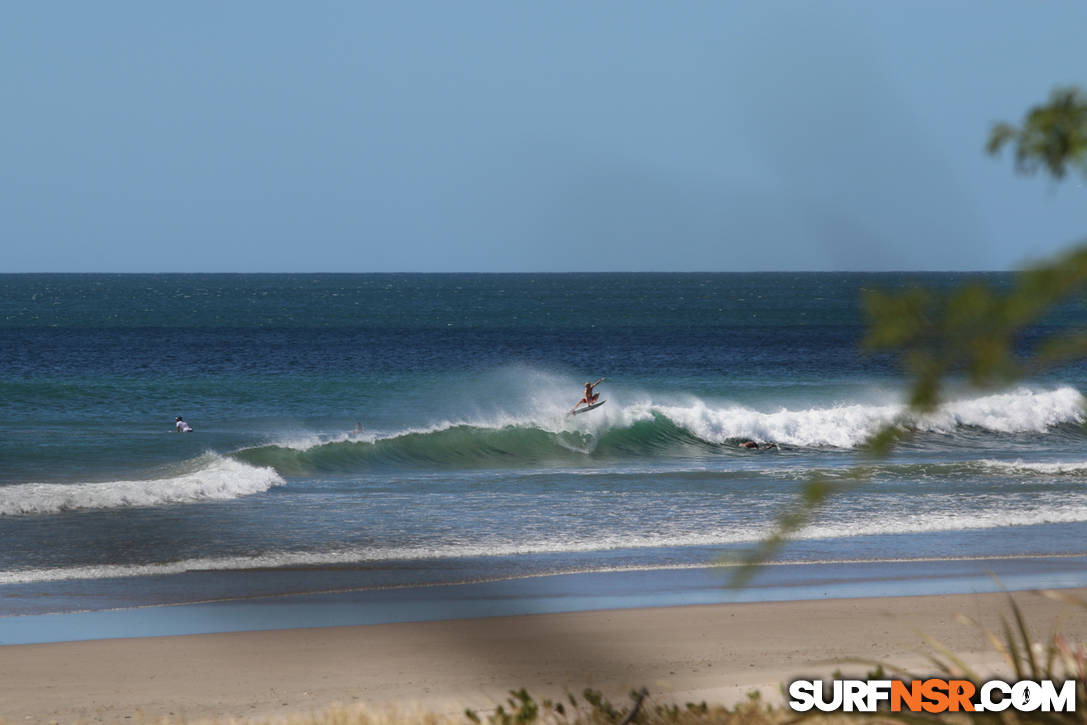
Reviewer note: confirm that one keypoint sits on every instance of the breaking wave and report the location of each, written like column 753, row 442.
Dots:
column 646, row 429
column 210, row 478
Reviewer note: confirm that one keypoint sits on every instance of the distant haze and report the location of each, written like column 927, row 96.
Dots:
column 528, row 136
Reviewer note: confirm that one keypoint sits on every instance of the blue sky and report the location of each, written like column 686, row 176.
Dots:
column 528, row 136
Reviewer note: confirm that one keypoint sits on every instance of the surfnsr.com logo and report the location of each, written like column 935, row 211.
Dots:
column 932, row 696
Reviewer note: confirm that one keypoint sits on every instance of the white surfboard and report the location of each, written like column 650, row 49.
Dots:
column 587, row 408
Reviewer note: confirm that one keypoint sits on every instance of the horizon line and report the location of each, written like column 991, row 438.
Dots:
column 570, row 272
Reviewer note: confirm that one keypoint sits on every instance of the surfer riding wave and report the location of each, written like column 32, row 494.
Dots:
column 590, row 396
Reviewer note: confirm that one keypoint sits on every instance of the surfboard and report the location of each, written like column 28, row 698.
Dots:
column 587, row 408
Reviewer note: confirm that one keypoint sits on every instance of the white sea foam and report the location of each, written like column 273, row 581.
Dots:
column 929, row 521
column 900, row 522
column 214, row 479
column 307, row 441
column 1020, row 411
column 847, row 426
column 1052, row 467
column 840, row 426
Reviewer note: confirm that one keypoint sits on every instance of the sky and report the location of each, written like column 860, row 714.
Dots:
column 528, row 136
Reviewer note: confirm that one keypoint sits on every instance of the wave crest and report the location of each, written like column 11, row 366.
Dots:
column 649, row 430
column 215, row 479
column 848, row 426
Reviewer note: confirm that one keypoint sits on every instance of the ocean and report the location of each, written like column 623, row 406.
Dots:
column 393, row 447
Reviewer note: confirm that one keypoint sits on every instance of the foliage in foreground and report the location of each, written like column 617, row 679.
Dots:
column 1053, row 135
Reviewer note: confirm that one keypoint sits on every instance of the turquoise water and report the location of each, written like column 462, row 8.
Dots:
column 466, row 469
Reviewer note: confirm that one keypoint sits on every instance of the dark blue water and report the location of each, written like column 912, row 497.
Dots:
column 465, row 466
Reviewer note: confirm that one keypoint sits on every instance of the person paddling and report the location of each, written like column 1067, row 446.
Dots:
column 590, row 396
column 182, row 426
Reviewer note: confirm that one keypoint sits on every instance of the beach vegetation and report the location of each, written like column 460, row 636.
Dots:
column 1053, row 658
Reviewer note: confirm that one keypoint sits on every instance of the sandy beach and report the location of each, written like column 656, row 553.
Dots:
column 717, row 653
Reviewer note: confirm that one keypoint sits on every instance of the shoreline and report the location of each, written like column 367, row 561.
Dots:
column 561, row 592
column 713, row 652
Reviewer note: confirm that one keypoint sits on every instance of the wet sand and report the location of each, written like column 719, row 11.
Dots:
column 716, row 653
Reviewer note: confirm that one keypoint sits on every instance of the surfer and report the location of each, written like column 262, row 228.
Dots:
column 755, row 446
column 182, row 426
column 590, row 396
